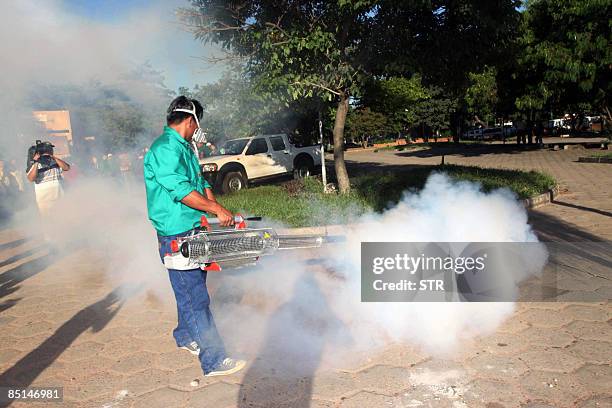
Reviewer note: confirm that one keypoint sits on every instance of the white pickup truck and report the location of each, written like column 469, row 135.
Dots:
column 237, row 162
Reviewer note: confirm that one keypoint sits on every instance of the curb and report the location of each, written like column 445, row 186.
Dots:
column 541, row 199
column 595, row 160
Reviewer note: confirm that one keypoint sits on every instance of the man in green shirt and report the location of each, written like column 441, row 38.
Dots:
column 177, row 197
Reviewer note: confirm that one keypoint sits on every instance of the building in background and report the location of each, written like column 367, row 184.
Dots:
column 58, row 129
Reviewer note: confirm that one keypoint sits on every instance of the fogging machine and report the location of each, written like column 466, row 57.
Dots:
column 215, row 247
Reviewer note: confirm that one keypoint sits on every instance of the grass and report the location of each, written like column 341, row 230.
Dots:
column 302, row 203
column 606, row 155
column 296, row 203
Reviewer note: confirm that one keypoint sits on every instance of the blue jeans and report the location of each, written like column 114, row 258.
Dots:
column 195, row 321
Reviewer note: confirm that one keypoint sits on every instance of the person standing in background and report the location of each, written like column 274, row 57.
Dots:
column 5, row 179
column 17, row 175
column 6, row 189
column 539, row 134
column 5, row 194
column 94, row 165
column 209, row 149
column 46, row 174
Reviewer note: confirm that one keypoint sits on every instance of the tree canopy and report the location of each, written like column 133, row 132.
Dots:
column 396, row 98
column 295, row 49
column 481, row 96
column 363, row 123
column 566, row 58
column 372, row 66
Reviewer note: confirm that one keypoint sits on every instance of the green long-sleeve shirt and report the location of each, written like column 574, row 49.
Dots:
column 171, row 172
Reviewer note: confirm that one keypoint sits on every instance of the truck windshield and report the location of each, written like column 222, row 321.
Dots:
column 235, row 146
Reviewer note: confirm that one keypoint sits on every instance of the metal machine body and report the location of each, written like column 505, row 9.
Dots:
column 240, row 246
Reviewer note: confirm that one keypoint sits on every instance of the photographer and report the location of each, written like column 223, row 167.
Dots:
column 45, row 171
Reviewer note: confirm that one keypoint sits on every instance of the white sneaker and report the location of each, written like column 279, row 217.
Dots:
column 192, row 347
column 227, row 366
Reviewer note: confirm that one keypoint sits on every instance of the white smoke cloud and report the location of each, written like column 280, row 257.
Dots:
column 317, row 312
column 444, row 211
column 107, row 219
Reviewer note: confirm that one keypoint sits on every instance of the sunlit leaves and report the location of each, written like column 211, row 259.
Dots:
column 566, row 53
column 481, row 96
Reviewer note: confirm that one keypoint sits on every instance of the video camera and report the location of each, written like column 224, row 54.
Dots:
column 45, row 150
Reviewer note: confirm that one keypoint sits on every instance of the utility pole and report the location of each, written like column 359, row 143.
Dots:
column 322, row 142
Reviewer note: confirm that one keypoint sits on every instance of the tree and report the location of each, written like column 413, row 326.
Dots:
column 123, row 123
column 233, row 107
column 566, row 60
column 362, row 123
column 295, row 49
column 407, row 103
column 396, row 98
column 443, row 41
column 435, row 110
column 481, row 96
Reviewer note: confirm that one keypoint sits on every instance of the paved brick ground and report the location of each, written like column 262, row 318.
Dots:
column 111, row 352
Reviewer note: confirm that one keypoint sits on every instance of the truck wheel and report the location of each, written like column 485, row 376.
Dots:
column 233, row 181
column 303, row 168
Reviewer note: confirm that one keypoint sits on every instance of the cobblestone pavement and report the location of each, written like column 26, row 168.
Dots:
column 112, row 346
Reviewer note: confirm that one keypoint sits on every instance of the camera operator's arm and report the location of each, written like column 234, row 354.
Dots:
column 33, row 171
column 63, row 165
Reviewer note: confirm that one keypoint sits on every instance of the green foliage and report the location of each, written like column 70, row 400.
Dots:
column 481, row 96
column 291, row 50
column 443, row 40
column 382, row 190
column 431, row 63
column 436, row 110
column 294, row 50
column 605, row 155
column 234, row 107
column 123, row 124
column 397, row 98
column 406, row 102
column 361, row 123
column 231, row 107
column 566, row 55
column 306, row 205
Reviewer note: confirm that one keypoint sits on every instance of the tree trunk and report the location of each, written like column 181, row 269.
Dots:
column 339, row 165
column 480, row 122
column 608, row 119
column 455, row 120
